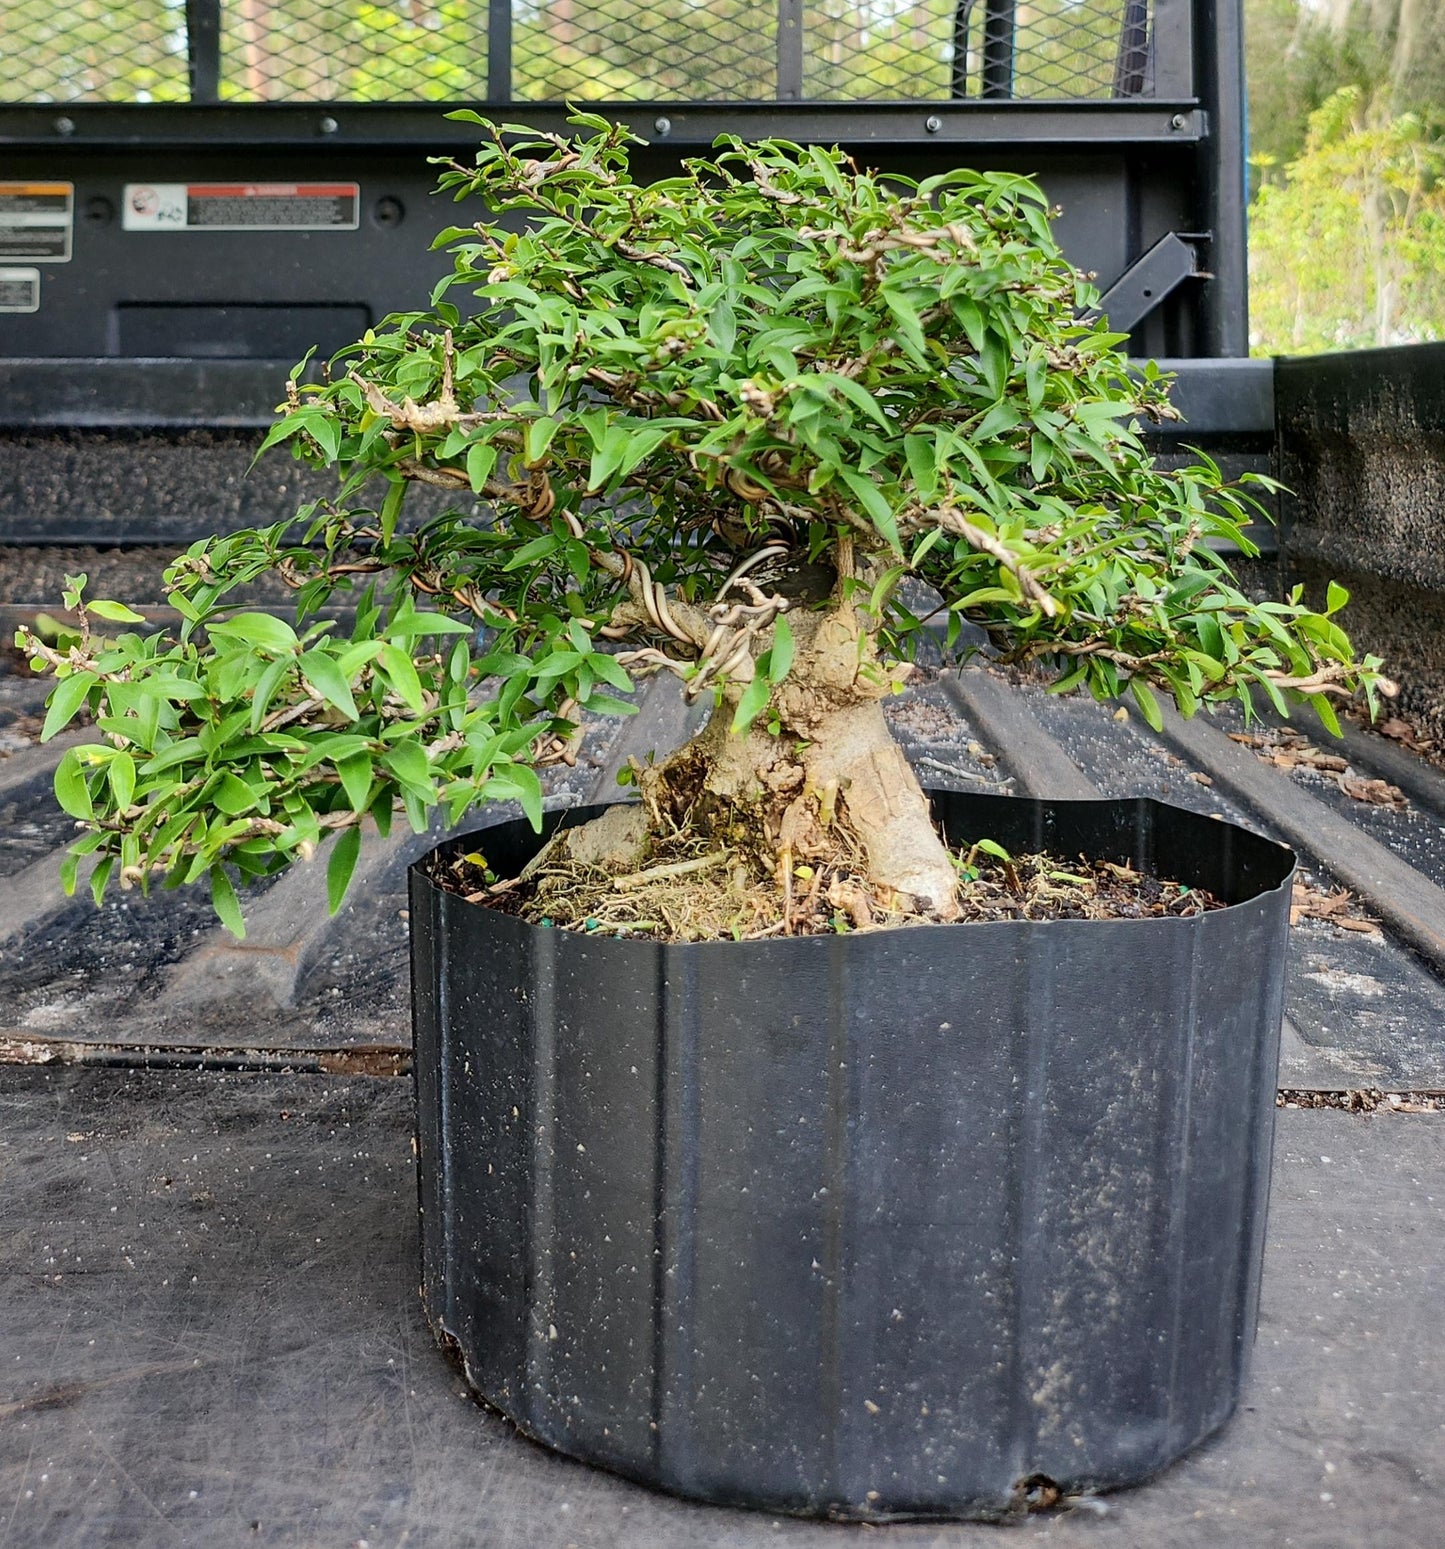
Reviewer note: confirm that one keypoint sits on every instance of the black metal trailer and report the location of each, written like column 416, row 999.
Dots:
column 231, row 181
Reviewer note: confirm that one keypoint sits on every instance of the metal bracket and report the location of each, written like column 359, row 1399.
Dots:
column 1147, row 281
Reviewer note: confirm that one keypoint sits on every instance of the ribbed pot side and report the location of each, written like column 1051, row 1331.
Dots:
column 865, row 1225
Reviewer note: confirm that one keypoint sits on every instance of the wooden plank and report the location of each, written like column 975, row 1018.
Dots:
column 1412, row 905
column 1000, row 716
column 39, row 761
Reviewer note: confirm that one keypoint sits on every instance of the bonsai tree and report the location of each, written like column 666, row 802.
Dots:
column 731, row 426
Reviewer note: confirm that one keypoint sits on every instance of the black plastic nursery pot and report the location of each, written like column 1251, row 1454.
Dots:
column 899, row 1223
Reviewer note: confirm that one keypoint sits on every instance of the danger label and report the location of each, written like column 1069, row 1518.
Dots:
column 37, row 221
column 19, row 290
column 241, row 207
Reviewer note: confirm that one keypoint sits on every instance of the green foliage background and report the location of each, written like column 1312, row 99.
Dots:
column 1347, row 117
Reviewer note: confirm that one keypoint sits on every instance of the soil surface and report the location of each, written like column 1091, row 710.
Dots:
column 689, row 890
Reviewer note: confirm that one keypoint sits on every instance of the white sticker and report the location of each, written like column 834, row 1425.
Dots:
column 19, row 290
column 37, row 221
column 241, row 207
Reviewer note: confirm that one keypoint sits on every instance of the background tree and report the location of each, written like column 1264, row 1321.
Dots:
column 1349, row 250
column 1347, row 104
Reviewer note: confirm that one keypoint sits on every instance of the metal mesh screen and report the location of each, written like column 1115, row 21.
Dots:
column 933, row 50
column 684, row 51
column 92, row 51
column 600, row 50
column 301, row 50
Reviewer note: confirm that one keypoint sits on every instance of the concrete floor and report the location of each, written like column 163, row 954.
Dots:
column 213, row 1337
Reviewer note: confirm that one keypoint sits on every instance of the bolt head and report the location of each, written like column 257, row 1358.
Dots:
column 65, row 126
column 328, row 125
column 933, row 123
column 662, row 126
column 1179, row 121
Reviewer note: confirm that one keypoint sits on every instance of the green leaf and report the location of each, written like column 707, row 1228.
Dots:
column 871, row 498
column 322, row 673
column 233, row 796
column 856, row 394
column 750, row 706
column 356, row 775
column 413, row 625
column 401, row 673
column 341, row 865
column 539, row 438
column 922, row 455
column 408, row 762
column 121, row 774
column 528, row 793
column 1148, row 704
column 265, row 690
column 71, row 791
column 391, row 509
column 258, row 629
column 223, row 901
column 100, row 876
column 115, row 611
column 481, row 459
column 780, row 657
column 605, row 704
column 1326, row 712
column 66, row 699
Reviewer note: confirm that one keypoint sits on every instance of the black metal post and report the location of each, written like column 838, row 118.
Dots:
column 203, row 49
column 1172, row 50
column 1219, row 63
column 998, row 49
column 790, row 50
column 499, row 50
column 1132, row 64
column 958, row 70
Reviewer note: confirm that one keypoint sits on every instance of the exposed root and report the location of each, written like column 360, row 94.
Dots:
column 733, row 878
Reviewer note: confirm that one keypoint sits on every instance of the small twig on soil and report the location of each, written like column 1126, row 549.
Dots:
column 639, row 879
column 963, row 774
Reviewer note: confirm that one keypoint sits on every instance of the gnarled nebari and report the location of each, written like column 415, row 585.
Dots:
column 707, row 426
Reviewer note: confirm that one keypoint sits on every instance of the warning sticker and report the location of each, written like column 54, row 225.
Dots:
column 19, row 290
column 36, row 221
column 241, row 207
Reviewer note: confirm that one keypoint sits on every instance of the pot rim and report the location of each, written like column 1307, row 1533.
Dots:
column 566, row 817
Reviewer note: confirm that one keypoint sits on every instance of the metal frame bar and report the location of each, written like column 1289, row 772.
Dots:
column 1171, row 48
column 1147, row 282
column 1131, row 65
column 958, row 69
column 975, row 122
column 1224, row 309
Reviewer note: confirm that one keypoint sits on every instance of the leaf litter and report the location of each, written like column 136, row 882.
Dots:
column 1289, row 750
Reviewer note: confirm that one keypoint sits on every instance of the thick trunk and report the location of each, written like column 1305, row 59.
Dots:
column 821, row 755
column 818, row 779
column 848, row 771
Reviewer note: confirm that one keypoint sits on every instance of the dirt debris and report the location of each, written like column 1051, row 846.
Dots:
column 1337, row 907
column 1362, row 1100
column 1289, row 750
